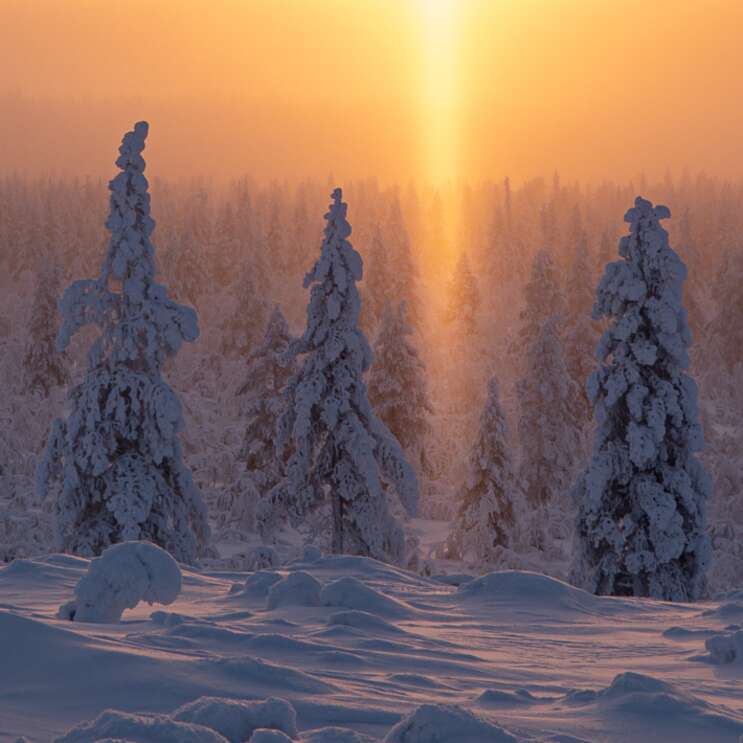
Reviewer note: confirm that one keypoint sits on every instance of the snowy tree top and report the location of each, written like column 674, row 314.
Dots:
column 645, row 290
column 125, row 301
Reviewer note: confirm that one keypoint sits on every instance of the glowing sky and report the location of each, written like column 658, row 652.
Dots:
column 429, row 89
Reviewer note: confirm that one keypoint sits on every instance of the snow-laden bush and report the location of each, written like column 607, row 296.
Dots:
column 119, row 579
column 263, row 557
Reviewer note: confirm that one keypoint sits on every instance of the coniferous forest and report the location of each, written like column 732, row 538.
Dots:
column 561, row 397
column 366, row 441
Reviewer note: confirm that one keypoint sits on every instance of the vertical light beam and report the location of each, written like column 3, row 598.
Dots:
column 439, row 89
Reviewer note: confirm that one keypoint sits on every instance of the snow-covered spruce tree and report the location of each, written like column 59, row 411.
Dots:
column 378, row 282
column 726, row 327
column 397, row 386
column 642, row 500
column 694, row 287
column 542, row 298
column 487, row 515
column 183, row 266
column 341, row 451
column 464, row 297
column 548, row 429
column 242, row 329
column 115, row 463
column 405, row 276
column 44, row 367
column 580, row 333
column 269, row 369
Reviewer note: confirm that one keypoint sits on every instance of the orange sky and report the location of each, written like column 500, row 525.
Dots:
column 424, row 89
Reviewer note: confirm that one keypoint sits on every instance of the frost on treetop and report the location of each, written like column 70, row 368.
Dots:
column 643, row 212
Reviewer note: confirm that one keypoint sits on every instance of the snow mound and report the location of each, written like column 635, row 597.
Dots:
column 452, row 579
column 41, row 572
column 297, row 589
column 725, row 611
column 724, row 649
column 496, row 697
column 685, row 633
column 23, row 637
column 334, row 735
column 140, row 729
column 635, row 683
column 369, row 568
column 269, row 736
column 260, row 674
column 443, row 723
column 311, row 553
column 237, row 719
column 530, row 591
column 362, row 620
column 415, row 679
column 259, row 583
column 351, row 593
column 656, row 705
column 119, row 579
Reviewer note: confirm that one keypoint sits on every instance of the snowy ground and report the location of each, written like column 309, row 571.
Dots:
column 360, row 647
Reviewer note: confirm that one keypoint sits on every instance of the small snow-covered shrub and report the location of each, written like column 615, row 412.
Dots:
column 297, row 589
column 120, row 578
column 262, row 558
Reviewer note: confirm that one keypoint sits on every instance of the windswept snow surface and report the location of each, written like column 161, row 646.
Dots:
column 366, row 652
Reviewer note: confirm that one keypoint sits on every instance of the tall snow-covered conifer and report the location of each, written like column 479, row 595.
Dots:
column 641, row 522
column 115, row 463
column 542, row 297
column 548, row 429
column 242, row 329
column 397, row 386
column 378, row 281
column 487, row 515
column 464, row 297
column 580, row 333
column 43, row 365
column 341, row 451
column 405, row 275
